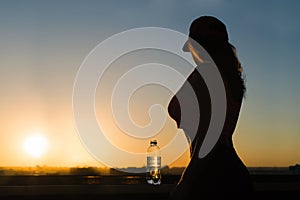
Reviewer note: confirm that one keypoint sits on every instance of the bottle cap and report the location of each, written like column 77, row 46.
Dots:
column 153, row 142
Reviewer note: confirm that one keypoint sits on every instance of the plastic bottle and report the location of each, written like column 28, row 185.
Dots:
column 153, row 173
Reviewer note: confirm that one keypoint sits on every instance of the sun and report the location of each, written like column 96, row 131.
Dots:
column 36, row 145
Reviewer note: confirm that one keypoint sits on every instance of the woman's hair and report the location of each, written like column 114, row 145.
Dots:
column 225, row 57
column 211, row 34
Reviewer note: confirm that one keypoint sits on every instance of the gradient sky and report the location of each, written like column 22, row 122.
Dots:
column 43, row 44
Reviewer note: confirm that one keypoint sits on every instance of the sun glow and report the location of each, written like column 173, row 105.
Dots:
column 36, row 145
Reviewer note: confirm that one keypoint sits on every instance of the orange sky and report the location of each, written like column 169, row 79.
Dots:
column 44, row 44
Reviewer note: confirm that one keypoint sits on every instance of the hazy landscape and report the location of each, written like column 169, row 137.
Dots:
column 44, row 182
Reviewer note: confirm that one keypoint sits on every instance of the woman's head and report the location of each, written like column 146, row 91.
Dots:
column 211, row 34
column 207, row 30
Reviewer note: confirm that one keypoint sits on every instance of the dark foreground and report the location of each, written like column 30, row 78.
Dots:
column 126, row 187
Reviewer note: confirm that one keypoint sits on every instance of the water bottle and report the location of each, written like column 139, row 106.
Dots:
column 153, row 174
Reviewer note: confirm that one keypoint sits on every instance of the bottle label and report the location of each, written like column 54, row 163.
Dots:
column 153, row 161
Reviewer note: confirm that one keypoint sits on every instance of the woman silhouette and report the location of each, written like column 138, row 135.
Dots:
column 221, row 172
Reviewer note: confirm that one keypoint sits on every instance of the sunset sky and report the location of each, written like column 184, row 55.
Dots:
column 43, row 44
